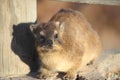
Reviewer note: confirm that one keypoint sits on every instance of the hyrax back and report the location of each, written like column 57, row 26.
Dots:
column 66, row 43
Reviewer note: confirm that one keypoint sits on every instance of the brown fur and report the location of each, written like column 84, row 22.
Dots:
column 77, row 45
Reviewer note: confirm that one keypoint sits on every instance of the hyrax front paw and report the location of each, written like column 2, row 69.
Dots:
column 44, row 74
column 69, row 76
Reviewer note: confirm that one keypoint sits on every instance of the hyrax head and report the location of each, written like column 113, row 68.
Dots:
column 47, row 36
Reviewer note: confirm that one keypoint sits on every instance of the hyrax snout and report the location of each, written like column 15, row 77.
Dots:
column 66, row 43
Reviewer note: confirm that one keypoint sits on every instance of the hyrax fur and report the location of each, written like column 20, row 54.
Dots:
column 66, row 43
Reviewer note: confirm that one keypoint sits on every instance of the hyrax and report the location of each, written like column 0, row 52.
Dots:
column 66, row 43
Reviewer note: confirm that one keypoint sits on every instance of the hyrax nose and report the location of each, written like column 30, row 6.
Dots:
column 49, row 42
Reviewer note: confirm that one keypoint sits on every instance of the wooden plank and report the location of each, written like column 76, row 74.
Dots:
column 13, row 12
column 105, row 2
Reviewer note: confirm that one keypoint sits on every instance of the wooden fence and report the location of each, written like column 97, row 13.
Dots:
column 14, row 12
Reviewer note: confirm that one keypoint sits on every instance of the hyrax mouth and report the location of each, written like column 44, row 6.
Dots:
column 48, row 49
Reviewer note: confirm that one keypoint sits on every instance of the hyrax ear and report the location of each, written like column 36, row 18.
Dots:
column 33, row 27
column 59, row 25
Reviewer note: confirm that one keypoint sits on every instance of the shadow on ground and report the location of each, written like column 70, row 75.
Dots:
column 23, row 45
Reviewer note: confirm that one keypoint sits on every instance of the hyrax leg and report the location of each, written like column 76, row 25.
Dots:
column 45, row 73
column 72, row 73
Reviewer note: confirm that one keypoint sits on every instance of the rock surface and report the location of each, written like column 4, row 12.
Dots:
column 106, row 68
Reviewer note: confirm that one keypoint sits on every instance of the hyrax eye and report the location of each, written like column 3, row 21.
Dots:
column 42, row 39
column 56, row 36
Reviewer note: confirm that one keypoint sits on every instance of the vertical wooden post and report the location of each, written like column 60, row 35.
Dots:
column 13, row 12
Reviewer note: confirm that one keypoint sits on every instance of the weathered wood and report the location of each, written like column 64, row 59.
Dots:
column 105, row 2
column 13, row 12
